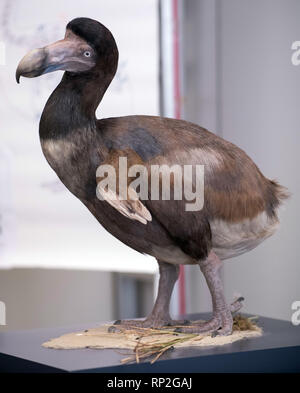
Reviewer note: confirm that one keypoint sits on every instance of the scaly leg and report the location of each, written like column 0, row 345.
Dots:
column 221, row 322
column 160, row 315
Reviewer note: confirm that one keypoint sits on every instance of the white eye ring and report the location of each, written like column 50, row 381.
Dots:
column 87, row 54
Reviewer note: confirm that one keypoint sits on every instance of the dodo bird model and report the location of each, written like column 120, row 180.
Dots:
column 240, row 204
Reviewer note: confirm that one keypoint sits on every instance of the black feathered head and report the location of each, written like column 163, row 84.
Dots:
column 88, row 47
column 94, row 33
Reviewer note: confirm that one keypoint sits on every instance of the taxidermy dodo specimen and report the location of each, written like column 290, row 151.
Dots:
column 240, row 204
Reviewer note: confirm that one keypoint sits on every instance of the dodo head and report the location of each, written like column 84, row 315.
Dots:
column 87, row 47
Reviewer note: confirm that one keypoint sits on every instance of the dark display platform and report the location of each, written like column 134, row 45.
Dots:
column 278, row 350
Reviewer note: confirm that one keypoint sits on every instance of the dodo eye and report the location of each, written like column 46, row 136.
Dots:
column 87, row 53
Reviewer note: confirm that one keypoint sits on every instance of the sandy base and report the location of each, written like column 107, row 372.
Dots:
column 100, row 338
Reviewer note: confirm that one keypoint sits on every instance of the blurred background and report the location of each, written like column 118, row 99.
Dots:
column 224, row 64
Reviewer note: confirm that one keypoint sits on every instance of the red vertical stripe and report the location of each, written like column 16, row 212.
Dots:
column 177, row 105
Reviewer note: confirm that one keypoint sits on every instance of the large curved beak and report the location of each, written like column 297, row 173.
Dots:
column 33, row 64
column 62, row 55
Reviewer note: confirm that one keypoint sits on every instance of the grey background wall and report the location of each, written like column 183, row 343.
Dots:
column 37, row 298
column 240, row 83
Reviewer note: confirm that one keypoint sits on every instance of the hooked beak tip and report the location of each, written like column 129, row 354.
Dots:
column 31, row 65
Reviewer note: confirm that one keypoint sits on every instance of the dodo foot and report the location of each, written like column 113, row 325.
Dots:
column 220, row 324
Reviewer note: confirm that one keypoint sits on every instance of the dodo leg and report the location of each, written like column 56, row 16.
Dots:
column 221, row 322
column 160, row 314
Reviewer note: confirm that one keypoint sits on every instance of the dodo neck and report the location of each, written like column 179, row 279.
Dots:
column 72, row 105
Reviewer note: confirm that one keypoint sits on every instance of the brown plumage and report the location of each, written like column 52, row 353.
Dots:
column 240, row 204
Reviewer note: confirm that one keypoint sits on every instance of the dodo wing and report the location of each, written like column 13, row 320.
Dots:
column 120, row 195
column 130, row 207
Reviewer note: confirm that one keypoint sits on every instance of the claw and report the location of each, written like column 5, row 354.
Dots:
column 215, row 333
column 178, row 330
column 118, row 322
column 111, row 329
